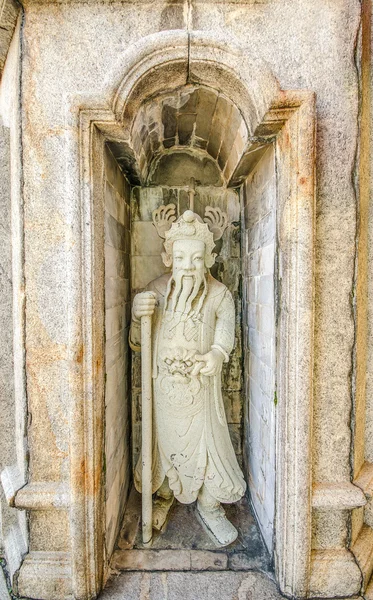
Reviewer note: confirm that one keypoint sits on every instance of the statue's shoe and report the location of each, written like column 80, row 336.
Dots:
column 161, row 508
column 215, row 523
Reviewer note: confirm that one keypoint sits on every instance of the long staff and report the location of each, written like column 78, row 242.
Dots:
column 146, row 429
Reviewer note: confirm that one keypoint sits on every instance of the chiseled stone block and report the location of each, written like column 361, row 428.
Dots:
column 334, row 572
column 114, row 204
column 144, row 269
column 145, row 240
column 267, row 258
column 117, row 292
column 152, row 560
column 115, row 176
column 266, row 290
column 116, row 234
column 116, row 319
column 117, row 263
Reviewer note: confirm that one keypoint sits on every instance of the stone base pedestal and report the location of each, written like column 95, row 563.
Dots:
column 182, row 545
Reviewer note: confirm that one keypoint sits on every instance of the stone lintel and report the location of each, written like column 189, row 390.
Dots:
column 337, row 496
column 46, row 495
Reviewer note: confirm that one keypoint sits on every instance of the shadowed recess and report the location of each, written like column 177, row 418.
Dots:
column 197, row 119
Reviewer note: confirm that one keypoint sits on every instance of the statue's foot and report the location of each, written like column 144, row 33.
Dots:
column 161, row 508
column 215, row 523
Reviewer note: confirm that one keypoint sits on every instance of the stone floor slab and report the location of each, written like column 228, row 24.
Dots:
column 223, row 585
column 183, row 544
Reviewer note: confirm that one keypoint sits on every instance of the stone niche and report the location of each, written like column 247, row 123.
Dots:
column 195, row 138
column 190, row 140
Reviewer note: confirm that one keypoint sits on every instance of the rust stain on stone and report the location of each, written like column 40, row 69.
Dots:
column 80, row 354
column 78, row 475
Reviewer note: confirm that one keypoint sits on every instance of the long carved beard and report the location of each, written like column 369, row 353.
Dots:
column 185, row 290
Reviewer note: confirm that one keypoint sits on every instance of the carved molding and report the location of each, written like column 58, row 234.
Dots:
column 293, row 117
column 45, row 575
column 337, row 496
column 46, row 495
column 334, row 573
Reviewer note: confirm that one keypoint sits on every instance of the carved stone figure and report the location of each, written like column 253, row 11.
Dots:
column 193, row 334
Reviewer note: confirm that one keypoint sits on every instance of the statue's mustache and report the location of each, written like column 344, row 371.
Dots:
column 186, row 274
column 185, row 286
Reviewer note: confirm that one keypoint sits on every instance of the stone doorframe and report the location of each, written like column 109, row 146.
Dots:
column 162, row 62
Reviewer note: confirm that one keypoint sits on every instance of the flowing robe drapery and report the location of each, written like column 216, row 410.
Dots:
column 191, row 441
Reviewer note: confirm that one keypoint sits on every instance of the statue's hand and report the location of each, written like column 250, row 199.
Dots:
column 209, row 364
column 144, row 304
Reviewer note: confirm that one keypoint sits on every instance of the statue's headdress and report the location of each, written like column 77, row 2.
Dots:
column 189, row 227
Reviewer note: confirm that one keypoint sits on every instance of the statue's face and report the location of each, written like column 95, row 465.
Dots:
column 188, row 258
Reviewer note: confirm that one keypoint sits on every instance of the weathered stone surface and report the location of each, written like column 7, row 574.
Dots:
column 13, row 525
column 329, row 529
column 204, row 586
column 45, row 574
column 334, row 572
column 184, row 533
column 334, row 495
column 83, row 67
column 151, row 560
column 208, row 561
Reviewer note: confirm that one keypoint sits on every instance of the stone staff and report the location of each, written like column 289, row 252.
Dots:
column 146, row 428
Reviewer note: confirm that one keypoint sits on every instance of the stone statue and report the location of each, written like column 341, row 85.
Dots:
column 193, row 325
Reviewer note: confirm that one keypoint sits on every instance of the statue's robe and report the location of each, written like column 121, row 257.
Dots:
column 191, row 441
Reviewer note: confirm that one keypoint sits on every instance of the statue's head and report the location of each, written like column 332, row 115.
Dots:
column 189, row 244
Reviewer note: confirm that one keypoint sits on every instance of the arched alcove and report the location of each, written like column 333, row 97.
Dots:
column 277, row 128
column 190, row 141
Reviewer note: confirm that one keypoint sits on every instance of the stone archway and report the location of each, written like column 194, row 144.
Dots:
column 163, row 62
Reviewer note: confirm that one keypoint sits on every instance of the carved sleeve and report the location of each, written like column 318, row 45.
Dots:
column 225, row 325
